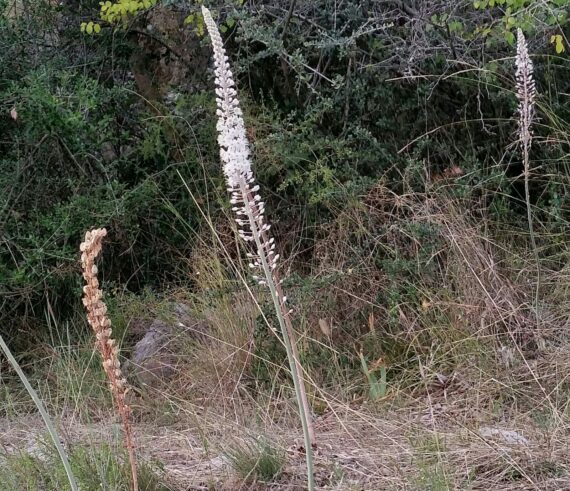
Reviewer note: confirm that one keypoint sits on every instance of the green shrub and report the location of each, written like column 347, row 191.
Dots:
column 334, row 105
column 82, row 152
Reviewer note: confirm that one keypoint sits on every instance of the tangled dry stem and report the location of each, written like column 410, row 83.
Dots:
column 101, row 324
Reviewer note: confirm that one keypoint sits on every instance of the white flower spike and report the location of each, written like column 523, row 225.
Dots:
column 526, row 94
column 235, row 155
column 249, row 208
column 526, row 90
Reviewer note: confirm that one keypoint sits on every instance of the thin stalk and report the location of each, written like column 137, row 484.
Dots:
column 286, row 331
column 44, row 414
column 526, row 163
column 526, row 92
column 284, row 310
column 288, row 18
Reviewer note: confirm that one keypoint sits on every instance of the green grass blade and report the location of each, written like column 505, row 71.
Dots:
column 44, row 414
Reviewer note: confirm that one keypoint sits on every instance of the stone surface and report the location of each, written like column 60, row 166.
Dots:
column 155, row 357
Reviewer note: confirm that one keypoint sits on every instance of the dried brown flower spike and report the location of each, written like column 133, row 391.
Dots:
column 101, row 324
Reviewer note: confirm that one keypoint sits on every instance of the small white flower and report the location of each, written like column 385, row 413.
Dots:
column 235, row 155
column 526, row 89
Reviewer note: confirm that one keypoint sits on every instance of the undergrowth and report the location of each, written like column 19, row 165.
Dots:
column 255, row 459
column 385, row 142
column 101, row 466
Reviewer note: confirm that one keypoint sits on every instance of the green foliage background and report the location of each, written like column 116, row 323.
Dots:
column 338, row 98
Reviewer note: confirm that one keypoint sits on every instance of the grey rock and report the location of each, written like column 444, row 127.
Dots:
column 155, row 357
column 509, row 436
column 108, row 152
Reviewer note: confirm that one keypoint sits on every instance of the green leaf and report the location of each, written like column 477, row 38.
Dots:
column 377, row 388
column 558, row 42
column 97, row 28
column 559, row 45
column 455, row 26
column 510, row 37
column 89, row 28
column 200, row 31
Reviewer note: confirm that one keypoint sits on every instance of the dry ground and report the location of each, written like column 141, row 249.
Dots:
column 438, row 445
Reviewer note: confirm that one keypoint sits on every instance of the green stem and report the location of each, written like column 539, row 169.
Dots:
column 44, row 414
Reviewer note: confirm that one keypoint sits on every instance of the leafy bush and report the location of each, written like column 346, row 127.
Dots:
column 77, row 151
column 334, row 105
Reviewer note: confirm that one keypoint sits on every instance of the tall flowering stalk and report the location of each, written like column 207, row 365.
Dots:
column 249, row 209
column 526, row 93
column 101, row 324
